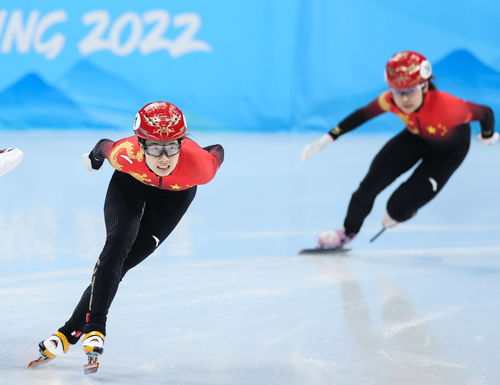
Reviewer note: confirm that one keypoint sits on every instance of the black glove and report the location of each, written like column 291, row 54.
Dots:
column 96, row 160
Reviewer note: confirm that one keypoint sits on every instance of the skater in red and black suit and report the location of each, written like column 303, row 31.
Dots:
column 437, row 133
column 157, row 173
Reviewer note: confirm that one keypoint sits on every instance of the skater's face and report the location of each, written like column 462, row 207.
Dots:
column 161, row 156
column 409, row 99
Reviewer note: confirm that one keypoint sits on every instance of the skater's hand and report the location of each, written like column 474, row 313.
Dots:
column 314, row 147
column 488, row 141
column 9, row 159
column 91, row 162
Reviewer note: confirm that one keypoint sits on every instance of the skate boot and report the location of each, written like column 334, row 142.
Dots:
column 51, row 347
column 334, row 239
column 93, row 343
column 388, row 222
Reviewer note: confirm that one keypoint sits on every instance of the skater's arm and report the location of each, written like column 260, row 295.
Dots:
column 486, row 118
column 202, row 163
column 349, row 123
column 357, row 118
column 102, row 149
column 217, row 151
column 209, row 160
column 95, row 158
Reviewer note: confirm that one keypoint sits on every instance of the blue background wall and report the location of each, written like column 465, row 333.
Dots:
column 253, row 66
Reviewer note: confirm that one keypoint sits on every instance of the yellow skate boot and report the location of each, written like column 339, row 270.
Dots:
column 93, row 343
column 51, row 347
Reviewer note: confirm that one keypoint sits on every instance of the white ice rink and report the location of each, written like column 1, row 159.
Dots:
column 227, row 301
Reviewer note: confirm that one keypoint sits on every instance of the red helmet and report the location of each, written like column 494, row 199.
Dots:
column 160, row 121
column 407, row 69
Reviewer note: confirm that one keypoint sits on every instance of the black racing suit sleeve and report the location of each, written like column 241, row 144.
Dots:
column 486, row 118
column 357, row 118
column 216, row 150
column 99, row 153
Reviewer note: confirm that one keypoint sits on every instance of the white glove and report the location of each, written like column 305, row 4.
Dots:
column 314, row 147
column 488, row 141
column 9, row 159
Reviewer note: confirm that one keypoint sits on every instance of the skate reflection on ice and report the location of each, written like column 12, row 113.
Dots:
column 403, row 350
column 47, row 375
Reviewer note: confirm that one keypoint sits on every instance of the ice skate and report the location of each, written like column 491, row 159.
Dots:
column 333, row 239
column 50, row 348
column 93, row 343
column 330, row 242
column 387, row 223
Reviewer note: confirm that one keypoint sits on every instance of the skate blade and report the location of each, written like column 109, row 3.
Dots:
column 91, row 367
column 39, row 361
column 324, row 251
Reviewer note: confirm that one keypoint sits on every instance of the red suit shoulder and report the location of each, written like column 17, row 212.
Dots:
column 196, row 166
column 385, row 101
column 124, row 153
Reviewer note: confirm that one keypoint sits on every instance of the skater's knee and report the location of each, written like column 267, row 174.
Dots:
column 113, row 254
column 109, row 270
column 400, row 209
column 124, row 271
column 423, row 187
column 411, row 195
column 401, row 214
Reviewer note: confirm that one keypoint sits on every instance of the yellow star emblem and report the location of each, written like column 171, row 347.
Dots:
column 431, row 130
column 443, row 129
column 175, row 187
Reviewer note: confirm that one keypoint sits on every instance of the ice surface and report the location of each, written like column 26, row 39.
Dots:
column 227, row 300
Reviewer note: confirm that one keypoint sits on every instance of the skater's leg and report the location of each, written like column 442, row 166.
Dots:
column 160, row 217
column 162, row 212
column 428, row 178
column 122, row 212
column 397, row 156
column 73, row 328
column 116, row 207
column 158, row 220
